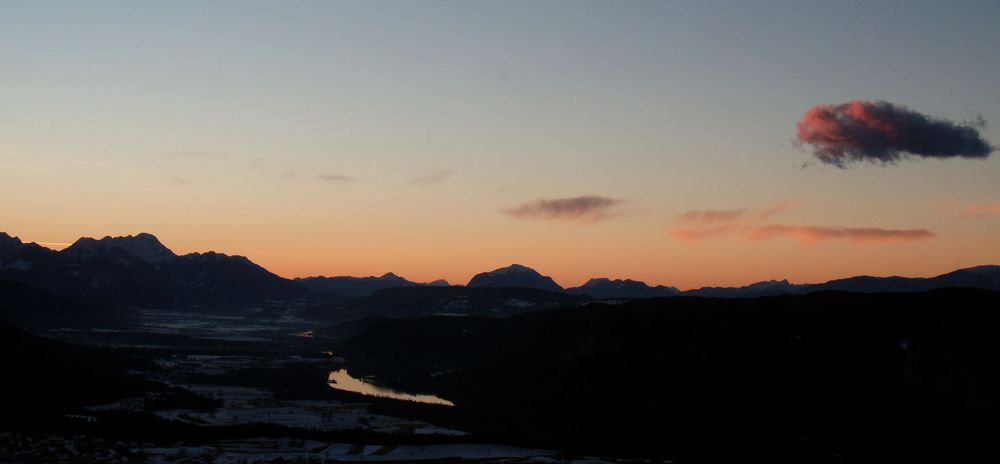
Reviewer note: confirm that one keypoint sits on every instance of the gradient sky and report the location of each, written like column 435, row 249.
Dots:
column 364, row 137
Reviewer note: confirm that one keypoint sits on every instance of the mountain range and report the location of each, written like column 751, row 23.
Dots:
column 607, row 289
column 140, row 271
column 515, row 275
column 359, row 287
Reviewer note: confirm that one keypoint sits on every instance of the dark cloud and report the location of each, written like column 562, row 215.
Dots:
column 589, row 208
column 881, row 132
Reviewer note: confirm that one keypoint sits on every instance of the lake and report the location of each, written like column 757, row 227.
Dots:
column 341, row 380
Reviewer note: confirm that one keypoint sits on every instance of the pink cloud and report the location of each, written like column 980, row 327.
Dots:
column 815, row 234
column 776, row 209
column 884, row 133
column 691, row 235
column 699, row 224
column 991, row 210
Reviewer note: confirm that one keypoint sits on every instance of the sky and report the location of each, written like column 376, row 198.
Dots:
column 656, row 141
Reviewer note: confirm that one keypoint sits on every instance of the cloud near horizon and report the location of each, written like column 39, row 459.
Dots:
column 588, row 208
column 695, row 234
column 814, row 234
column 699, row 225
column 884, row 133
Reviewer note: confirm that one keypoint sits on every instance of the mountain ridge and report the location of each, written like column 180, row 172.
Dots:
column 140, row 271
column 359, row 287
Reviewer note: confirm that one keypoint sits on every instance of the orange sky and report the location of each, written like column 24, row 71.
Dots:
column 450, row 139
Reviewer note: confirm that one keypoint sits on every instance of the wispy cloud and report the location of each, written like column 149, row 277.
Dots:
column 776, row 209
column 696, row 234
column 588, row 208
column 710, row 216
column 705, row 217
column 884, row 133
column 432, row 179
column 814, row 234
column 334, row 177
column 180, row 180
column 989, row 210
column 194, row 154
column 697, row 225
column 161, row 190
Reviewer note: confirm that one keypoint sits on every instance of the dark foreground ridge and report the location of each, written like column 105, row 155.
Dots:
column 830, row 376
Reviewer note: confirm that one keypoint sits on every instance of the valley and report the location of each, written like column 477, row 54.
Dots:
column 509, row 367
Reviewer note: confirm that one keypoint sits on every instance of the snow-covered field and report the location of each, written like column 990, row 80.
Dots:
column 209, row 326
column 264, row 450
column 244, row 405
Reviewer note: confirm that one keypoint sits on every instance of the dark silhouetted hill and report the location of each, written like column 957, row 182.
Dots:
column 44, row 379
column 32, row 308
column 765, row 288
column 607, row 289
column 514, row 275
column 411, row 302
column 358, row 287
column 898, row 377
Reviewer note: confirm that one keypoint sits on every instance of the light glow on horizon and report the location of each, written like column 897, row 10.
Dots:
column 443, row 139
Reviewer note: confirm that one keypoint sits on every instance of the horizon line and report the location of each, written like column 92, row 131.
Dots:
column 294, row 277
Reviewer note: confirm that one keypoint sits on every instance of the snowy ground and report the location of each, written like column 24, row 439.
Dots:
column 210, row 326
column 264, row 450
column 255, row 406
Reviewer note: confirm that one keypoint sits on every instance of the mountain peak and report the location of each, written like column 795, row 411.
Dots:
column 514, row 268
column 9, row 245
column 143, row 246
column 9, row 240
column 515, row 275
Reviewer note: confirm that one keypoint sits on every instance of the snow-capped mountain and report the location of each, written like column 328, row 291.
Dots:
column 140, row 271
column 143, row 247
column 515, row 275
